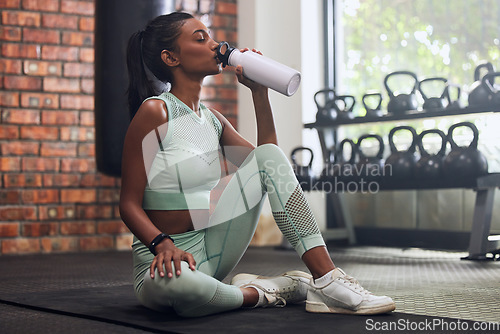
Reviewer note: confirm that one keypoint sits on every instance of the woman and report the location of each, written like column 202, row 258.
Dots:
column 170, row 164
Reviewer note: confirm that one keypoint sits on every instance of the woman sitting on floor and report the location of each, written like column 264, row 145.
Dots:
column 171, row 161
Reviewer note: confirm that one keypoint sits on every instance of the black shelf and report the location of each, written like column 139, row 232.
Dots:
column 409, row 115
column 491, row 180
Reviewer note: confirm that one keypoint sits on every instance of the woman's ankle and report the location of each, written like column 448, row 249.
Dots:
column 318, row 261
column 250, row 297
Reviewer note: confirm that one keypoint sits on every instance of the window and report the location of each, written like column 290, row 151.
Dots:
column 368, row 39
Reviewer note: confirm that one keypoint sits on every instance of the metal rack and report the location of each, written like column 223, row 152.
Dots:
column 479, row 245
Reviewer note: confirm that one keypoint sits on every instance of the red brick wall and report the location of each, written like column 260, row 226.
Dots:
column 52, row 199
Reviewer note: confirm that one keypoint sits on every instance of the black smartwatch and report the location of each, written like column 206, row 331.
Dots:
column 159, row 238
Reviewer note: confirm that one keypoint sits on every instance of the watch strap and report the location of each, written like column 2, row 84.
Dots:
column 159, row 238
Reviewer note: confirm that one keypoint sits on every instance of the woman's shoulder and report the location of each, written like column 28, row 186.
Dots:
column 218, row 116
column 151, row 114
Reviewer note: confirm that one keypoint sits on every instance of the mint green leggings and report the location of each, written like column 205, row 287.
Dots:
column 218, row 248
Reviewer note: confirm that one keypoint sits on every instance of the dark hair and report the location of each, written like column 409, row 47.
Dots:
column 144, row 49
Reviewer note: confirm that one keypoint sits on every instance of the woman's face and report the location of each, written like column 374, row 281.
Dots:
column 196, row 50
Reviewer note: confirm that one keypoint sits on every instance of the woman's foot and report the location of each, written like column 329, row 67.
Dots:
column 277, row 291
column 337, row 292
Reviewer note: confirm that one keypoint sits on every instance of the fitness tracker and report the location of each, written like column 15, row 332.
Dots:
column 159, row 238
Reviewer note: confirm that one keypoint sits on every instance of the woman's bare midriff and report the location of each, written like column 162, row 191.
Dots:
column 176, row 221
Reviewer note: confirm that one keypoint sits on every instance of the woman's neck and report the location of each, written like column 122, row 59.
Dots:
column 188, row 92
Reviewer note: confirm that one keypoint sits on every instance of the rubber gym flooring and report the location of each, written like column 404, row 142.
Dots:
column 434, row 291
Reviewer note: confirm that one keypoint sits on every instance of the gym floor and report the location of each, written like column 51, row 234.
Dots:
column 434, row 291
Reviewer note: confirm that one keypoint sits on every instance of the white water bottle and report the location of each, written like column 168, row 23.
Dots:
column 261, row 69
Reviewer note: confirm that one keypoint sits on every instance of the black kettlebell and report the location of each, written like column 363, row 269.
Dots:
column 370, row 110
column 479, row 94
column 303, row 172
column 325, row 102
column 494, row 94
column 434, row 102
column 401, row 164
column 464, row 161
column 399, row 104
column 345, row 166
column 344, row 104
column 453, row 103
column 430, row 166
column 371, row 167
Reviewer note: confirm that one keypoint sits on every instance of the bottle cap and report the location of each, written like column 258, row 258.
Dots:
column 223, row 52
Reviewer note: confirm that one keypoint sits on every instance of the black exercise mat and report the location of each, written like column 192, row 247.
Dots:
column 98, row 287
column 117, row 305
column 22, row 320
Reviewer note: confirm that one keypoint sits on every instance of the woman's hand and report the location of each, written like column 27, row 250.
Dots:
column 254, row 87
column 166, row 253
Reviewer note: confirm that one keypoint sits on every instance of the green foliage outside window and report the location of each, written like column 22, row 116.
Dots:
column 432, row 38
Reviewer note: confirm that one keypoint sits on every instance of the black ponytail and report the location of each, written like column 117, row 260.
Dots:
column 144, row 55
column 139, row 86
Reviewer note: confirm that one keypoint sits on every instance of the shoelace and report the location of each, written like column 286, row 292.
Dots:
column 277, row 302
column 354, row 282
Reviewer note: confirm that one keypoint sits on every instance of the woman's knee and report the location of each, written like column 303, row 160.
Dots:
column 187, row 288
column 185, row 285
column 268, row 148
column 270, row 155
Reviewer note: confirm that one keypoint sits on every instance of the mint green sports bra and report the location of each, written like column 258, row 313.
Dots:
column 186, row 166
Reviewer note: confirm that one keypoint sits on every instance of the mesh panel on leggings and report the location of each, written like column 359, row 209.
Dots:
column 297, row 221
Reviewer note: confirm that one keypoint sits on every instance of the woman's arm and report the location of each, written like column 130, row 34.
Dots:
column 266, row 131
column 235, row 146
column 136, row 161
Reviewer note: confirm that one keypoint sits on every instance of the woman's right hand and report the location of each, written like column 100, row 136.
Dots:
column 254, row 86
column 168, row 253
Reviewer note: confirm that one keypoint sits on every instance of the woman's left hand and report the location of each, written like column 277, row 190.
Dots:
column 254, row 87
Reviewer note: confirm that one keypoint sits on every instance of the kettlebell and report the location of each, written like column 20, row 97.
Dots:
column 479, row 94
column 401, row 164
column 344, row 104
column 435, row 102
column 430, row 166
column 371, row 167
column 372, row 111
column 303, row 172
column 345, row 167
column 399, row 104
column 453, row 103
column 494, row 94
column 325, row 102
column 464, row 161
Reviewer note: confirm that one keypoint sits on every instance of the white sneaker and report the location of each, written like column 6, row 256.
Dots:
column 290, row 287
column 343, row 294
